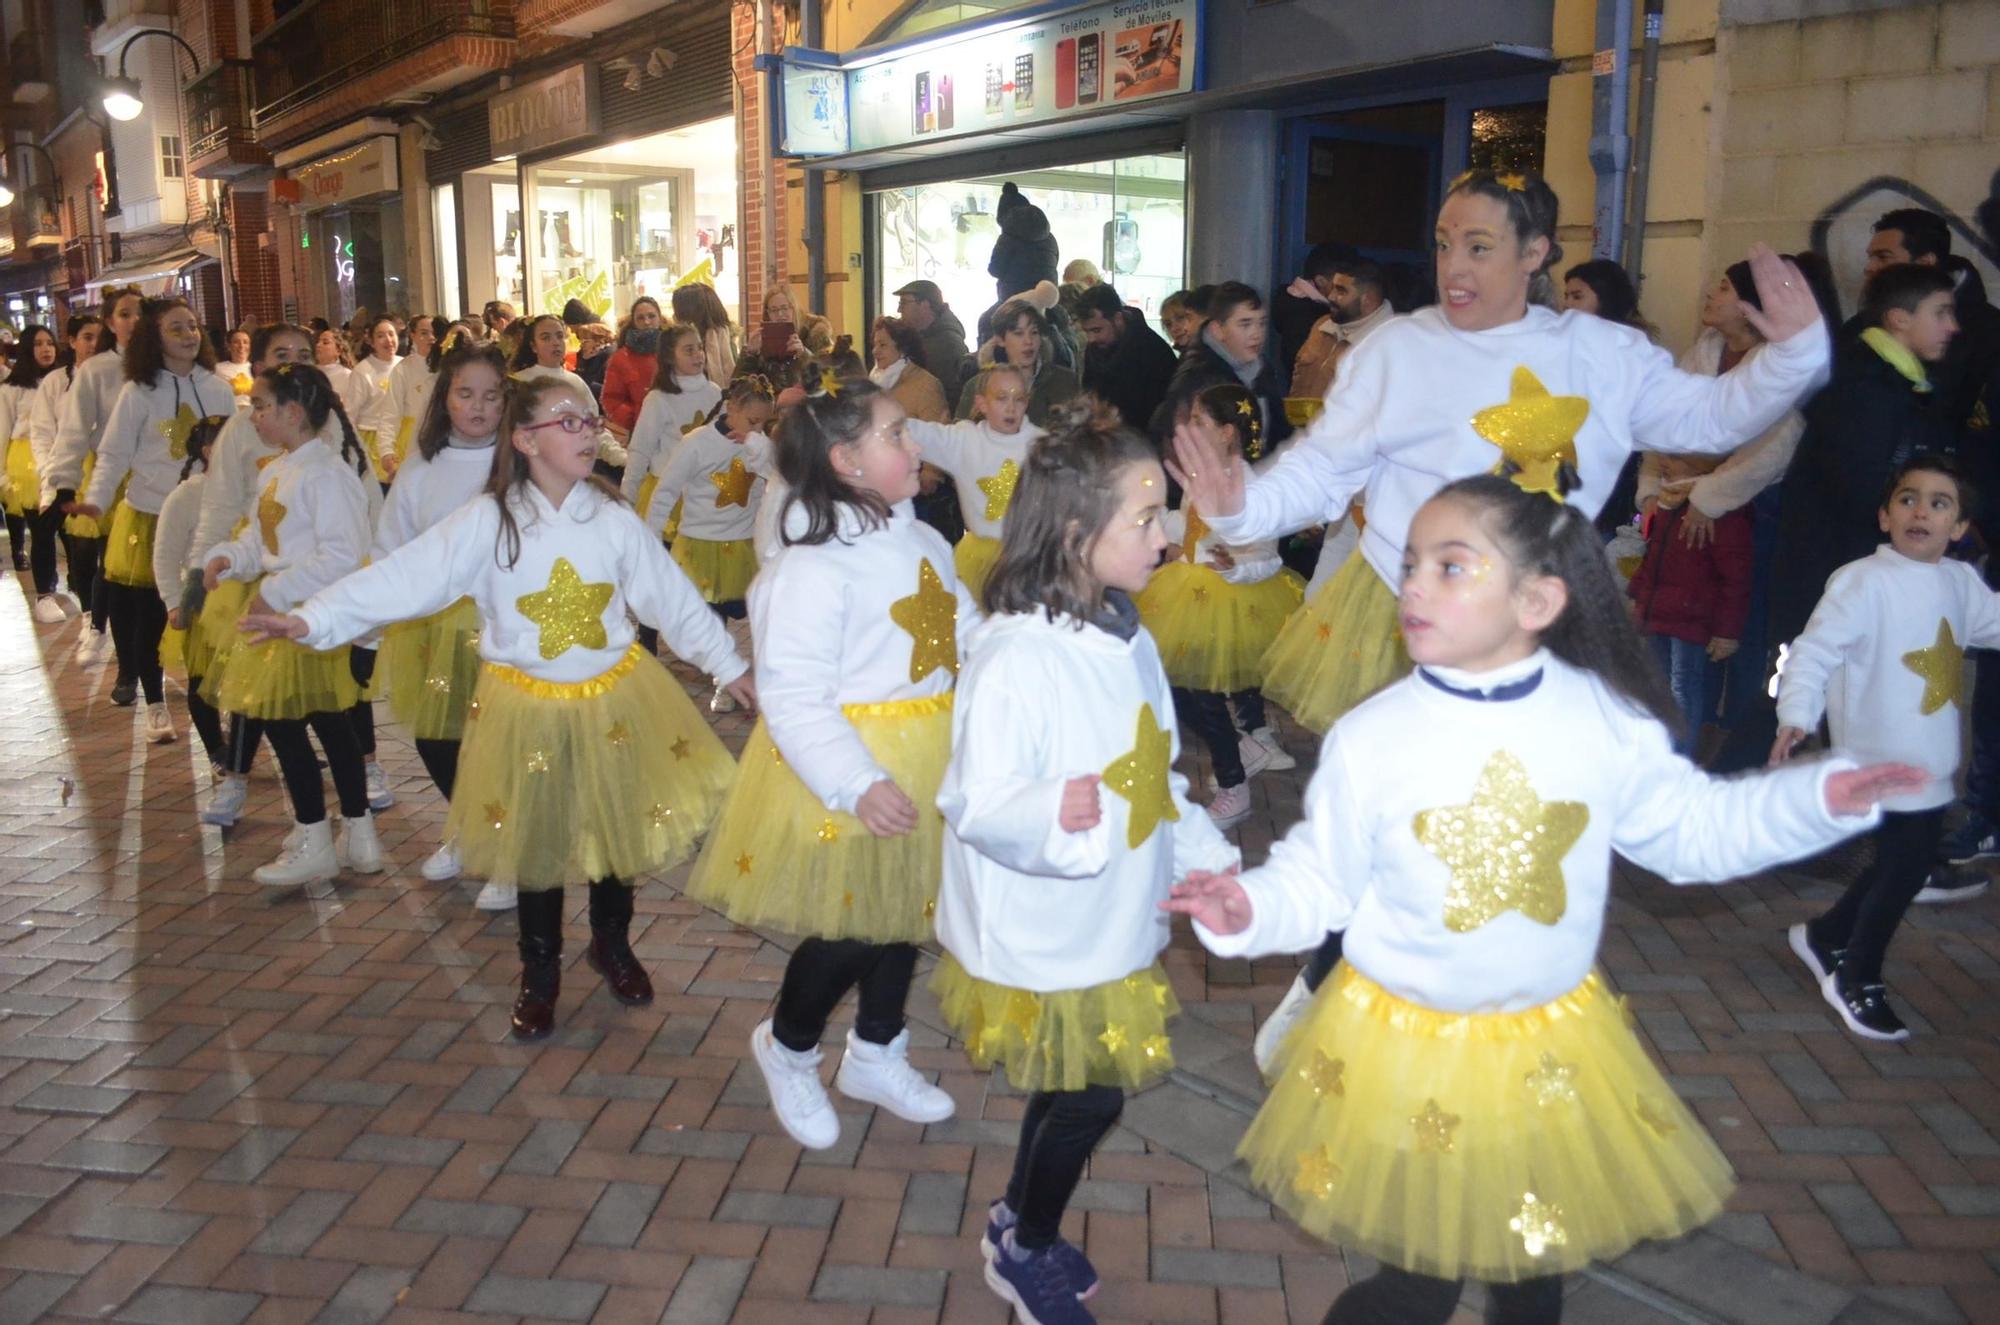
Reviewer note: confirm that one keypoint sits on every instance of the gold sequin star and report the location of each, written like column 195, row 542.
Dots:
column 1539, row 1225
column 743, row 865
column 1024, row 1012
column 1433, row 1128
column 619, row 733
column 679, row 749
column 829, row 832
column 660, row 815
column 269, row 512
column 1113, row 1038
column 999, row 489
column 1552, row 1082
column 1140, row 776
column 1942, row 666
column 930, row 909
column 438, row 684
column 1317, row 1174
column 176, row 430
column 1535, row 431
column 931, row 616
column 732, row 485
column 472, row 710
column 1324, row 1074
column 1156, row 1047
column 496, row 814
column 1504, row 848
column 568, row 612
column 538, row 761
column 1325, row 632
column 1656, row 1118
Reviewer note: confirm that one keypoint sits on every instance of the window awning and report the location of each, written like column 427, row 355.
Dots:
column 154, row 275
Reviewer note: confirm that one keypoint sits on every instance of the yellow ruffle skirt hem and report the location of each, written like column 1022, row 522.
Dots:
column 128, row 555
column 570, row 783
column 721, row 569
column 1498, row 1147
column 1212, row 634
column 779, row 858
column 173, row 651
column 1110, row 1034
column 214, row 637
column 89, row 526
column 1337, row 650
column 973, row 557
column 280, row 679
column 429, row 668
column 24, row 481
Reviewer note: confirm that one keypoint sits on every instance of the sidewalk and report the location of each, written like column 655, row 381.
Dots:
column 224, row 1104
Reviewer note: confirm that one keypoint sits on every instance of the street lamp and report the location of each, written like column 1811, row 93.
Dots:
column 122, row 98
column 7, row 194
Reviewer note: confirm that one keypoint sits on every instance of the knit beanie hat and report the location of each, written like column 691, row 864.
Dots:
column 1010, row 198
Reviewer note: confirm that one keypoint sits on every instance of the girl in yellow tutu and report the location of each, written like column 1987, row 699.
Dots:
column 44, row 411
column 583, row 759
column 1213, row 609
column 34, row 357
column 311, row 528
column 713, row 476
column 432, row 663
column 84, row 410
column 984, row 455
column 1465, row 1099
column 832, row 830
column 1048, row 912
column 400, row 408
column 681, row 399
column 176, row 555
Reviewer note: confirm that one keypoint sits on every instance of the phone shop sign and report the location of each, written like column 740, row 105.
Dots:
column 1050, row 68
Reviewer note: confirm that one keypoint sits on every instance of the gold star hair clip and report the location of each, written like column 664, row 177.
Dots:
column 829, row 382
column 1513, row 182
column 451, row 339
column 1253, row 446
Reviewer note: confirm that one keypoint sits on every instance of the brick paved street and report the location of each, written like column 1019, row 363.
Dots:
column 221, row 1103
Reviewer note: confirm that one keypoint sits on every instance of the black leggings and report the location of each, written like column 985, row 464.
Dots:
column 1324, row 960
column 441, row 762
column 1208, row 712
column 245, row 735
column 1059, row 1131
column 138, row 620
column 361, row 666
column 42, row 551
column 96, row 589
column 1868, row 913
column 207, row 723
column 1398, row 1297
column 17, row 537
column 819, row 975
column 301, row 767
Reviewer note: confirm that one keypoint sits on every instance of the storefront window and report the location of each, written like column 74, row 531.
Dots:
column 509, row 281
column 358, row 259
column 1127, row 216
column 444, row 224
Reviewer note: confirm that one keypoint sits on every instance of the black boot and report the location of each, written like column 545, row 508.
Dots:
column 611, row 954
column 540, row 917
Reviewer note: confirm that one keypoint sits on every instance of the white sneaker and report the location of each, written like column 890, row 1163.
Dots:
column 49, row 611
column 881, row 1074
column 360, row 850
column 442, row 865
column 379, row 795
column 225, row 803
column 1261, row 753
column 1230, row 806
column 722, row 701
column 1279, row 1024
column 797, row 1097
column 496, row 897
column 1960, row 889
column 159, row 724
column 92, row 648
column 308, row 857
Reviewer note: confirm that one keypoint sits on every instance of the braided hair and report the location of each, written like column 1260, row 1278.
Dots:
column 304, row 385
column 200, row 438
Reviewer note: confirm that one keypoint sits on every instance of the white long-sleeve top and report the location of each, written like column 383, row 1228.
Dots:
column 822, row 617
column 1883, row 659
column 1448, row 925
column 1399, row 419
column 146, row 436
column 664, row 418
column 1750, row 468
column 86, row 408
column 400, row 407
column 373, row 375
column 240, row 377
column 426, row 491
column 705, row 470
column 609, row 449
column 973, row 454
column 1251, row 563
column 15, row 404
column 45, row 412
column 353, row 391
column 1041, row 702
column 592, row 553
column 236, row 465
column 310, row 528
column 173, row 538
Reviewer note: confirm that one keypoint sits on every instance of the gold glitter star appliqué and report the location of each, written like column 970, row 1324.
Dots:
column 1535, row 431
column 1317, row 1175
column 931, row 616
column 999, row 489
column 270, row 511
column 568, row 612
column 732, row 485
column 1552, row 1082
column 1504, row 848
column 1942, row 666
column 1539, row 1225
column 1433, row 1128
column 176, row 430
column 1140, row 776
column 1113, row 1038
column 1324, row 1074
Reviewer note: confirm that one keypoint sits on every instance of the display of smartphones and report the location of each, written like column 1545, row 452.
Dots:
column 1089, row 56
column 1066, row 73
column 996, row 87
column 944, row 117
column 1024, row 80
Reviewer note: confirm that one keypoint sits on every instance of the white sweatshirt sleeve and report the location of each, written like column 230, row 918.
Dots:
column 76, row 434
column 1836, row 625
column 340, row 536
column 674, row 479
column 662, row 596
column 643, row 446
column 121, row 443
column 1675, row 410
column 173, row 540
column 42, row 412
column 1982, row 615
column 425, row 575
column 942, row 444
column 992, row 796
column 397, row 524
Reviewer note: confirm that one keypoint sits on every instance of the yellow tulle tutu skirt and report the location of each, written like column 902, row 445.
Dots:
column 429, row 668
column 644, row 504
column 1338, row 649
column 90, row 526
column 569, row 783
column 974, row 557
column 1111, row 1034
column 720, row 568
column 24, row 481
column 173, row 651
column 779, row 858
column 281, row 679
column 1212, row 634
column 217, row 633
column 128, row 554
column 1497, row 1147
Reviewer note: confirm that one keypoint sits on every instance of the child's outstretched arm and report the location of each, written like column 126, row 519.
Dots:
column 1837, row 624
column 662, row 596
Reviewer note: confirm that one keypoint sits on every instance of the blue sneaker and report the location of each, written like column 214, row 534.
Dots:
column 1976, row 839
column 1081, row 1272
column 1038, row 1284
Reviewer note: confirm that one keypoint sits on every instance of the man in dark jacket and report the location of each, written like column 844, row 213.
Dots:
column 1230, row 350
column 1125, row 362
column 922, row 305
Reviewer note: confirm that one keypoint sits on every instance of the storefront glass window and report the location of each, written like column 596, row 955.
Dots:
column 358, row 259
column 508, row 282
column 444, row 224
column 1127, row 216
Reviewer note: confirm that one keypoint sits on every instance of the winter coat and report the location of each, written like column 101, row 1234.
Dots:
column 1694, row 594
column 627, row 379
column 1134, row 374
column 1204, row 366
column 1026, row 251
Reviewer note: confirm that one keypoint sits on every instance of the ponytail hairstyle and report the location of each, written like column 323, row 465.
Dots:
column 306, row 386
column 1544, row 536
column 449, row 337
column 510, row 467
column 1531, row 210
column 434, row 429
column 26, row 372
column 833, row 412
column 1067, row 495
column 146, row 356
column 201, row 438
column 671, row 335
column 76, row 326
column 1232, row 406
column 524, row 352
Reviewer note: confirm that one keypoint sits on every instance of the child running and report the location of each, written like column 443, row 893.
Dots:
column 1464, row 1097
column 983, row 455
column 1048, row 912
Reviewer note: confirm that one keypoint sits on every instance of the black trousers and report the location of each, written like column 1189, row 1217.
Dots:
column 17, row 538
column 361, row 666
column 1398, row 1297
column 441, row 762
column 1324, row 960
column 1059, row 1131
column 301, row 767
column 80, row 553
column 42, row 551
column 819, row 975
column 1209, row 714
column 207, row 723
column 98, row 591
column 245, row 735
column 1867, row 914
column 138, row 620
